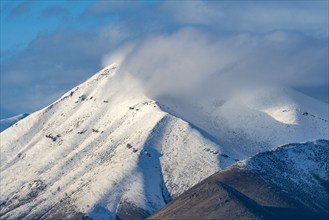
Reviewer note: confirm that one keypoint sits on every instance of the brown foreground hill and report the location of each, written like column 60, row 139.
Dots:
column 288, row 183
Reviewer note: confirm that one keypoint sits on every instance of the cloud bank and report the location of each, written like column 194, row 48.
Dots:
column 171, row 47
column 190, row 62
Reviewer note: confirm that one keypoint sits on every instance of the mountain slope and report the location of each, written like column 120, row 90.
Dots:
column 288, row 183
column 7, row 122
column 105, row 150
column 256, row 121
column 101, row 150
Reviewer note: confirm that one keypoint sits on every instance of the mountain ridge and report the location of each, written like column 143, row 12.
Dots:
column 92, row 142
column 7, row 122
column 256, row 189
column 105, row 150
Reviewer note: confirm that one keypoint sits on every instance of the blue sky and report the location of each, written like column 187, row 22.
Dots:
column 48, row 47
column 22, row 21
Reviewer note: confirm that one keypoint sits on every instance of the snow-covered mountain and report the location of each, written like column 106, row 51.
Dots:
column 290, row 182
column 257, row 121
column 105, row 150
column 7, row 122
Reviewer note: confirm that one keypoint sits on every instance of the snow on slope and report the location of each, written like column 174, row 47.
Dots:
column 101, row 150
column 7, row 122
column 290, row 182
column 257, row 121
column 105, row 149
column 299, row 170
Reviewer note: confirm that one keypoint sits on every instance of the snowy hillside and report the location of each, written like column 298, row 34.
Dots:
column 106, row 150
column 257, row 121
column 101, row 150
column 290, row 182
column 7, row 122
column 298, row 170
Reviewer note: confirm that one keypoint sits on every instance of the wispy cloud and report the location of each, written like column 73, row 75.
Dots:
column 21, row 9
column 52, row 64
column 56, row 12
column 100, row 9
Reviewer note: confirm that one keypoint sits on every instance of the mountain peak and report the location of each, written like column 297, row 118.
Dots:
column 105, row 149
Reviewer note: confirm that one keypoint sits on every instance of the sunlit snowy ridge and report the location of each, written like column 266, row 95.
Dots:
column 7, row 122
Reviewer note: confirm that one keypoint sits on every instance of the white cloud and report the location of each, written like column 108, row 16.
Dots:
column 192, row 61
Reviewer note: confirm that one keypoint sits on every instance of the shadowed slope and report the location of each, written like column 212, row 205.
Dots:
column 258, row 188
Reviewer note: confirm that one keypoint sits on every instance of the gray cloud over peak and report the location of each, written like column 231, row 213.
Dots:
column 192, row 61
column 245, row 44
column 259, row 17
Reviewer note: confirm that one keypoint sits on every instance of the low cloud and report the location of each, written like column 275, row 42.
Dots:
column 196, row 62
